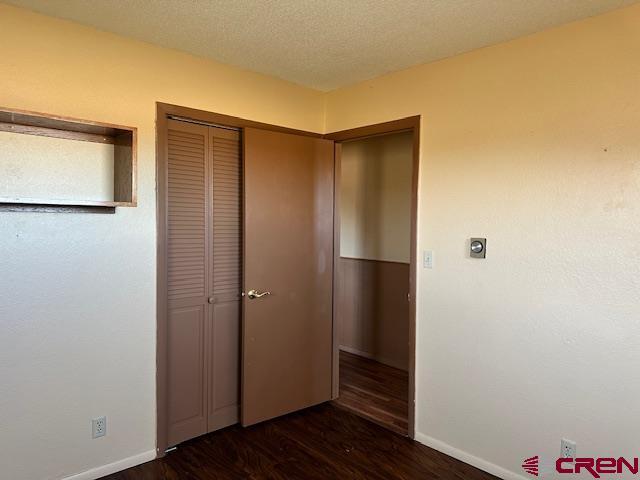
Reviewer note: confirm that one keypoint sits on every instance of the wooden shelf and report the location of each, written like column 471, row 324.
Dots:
column 124, row 140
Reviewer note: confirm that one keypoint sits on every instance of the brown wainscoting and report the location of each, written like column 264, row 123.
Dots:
column 373, row 310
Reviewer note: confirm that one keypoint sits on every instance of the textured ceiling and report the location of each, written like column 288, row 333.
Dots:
column 323, row 44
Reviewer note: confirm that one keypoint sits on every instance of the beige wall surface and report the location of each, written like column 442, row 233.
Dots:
column 375, row 198
column 535, row 145
column 77, row 291
column 30, row 164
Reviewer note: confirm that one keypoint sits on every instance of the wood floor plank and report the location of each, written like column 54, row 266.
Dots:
column 319, row 443
column 374, row 391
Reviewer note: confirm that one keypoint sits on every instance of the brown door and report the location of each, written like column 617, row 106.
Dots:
column 203, row 279
column 187, row 283
column 226, row 278
column 287, row 334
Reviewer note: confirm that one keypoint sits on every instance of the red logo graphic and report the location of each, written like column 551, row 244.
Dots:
column 530, row 465
column 594, row 466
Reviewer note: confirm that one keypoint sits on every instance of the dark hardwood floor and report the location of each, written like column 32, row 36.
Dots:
column 374, row 391
column 319, row 443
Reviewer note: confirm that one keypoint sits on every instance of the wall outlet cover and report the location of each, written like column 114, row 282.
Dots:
column 568, row 448
column 98, row 427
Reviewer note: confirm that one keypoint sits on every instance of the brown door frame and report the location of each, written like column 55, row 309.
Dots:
column 409, row 124
column 163, row 112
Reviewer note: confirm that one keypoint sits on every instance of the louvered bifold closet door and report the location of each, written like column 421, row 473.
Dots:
column 226, row 252
column 188, row 230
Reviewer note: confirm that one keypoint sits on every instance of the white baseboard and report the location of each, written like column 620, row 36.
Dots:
column 114, row 467
column 465, row 457
column 360, row 353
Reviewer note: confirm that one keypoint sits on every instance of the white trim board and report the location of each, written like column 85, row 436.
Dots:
column 465, row 457
column 114, row 467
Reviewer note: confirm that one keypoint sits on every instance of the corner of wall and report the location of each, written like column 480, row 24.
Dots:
column 115, row 467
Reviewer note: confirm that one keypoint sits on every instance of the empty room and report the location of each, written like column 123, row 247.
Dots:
column 301, row 239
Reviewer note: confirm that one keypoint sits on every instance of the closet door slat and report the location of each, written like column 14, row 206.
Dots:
column 187, row 280
column 226, row 254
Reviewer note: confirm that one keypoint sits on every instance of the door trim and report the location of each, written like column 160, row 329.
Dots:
column 163, row 110
column 409, row 124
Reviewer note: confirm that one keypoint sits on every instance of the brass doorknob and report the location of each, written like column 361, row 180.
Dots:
column 256, row 294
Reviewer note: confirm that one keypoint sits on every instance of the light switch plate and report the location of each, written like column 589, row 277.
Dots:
column 427, row 259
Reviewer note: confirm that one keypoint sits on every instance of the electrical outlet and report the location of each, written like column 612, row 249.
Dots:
column 568, row 448
column 99, row 427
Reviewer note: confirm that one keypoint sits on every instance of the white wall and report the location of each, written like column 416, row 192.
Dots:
column 534, row 144
column 77, row 291
column 55, row 168
column 375, row 198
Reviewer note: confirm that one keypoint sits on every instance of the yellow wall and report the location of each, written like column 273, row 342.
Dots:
column 534, row 144
column 77, row 292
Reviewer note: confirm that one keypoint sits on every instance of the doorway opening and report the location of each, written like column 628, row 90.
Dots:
column 375, row 267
